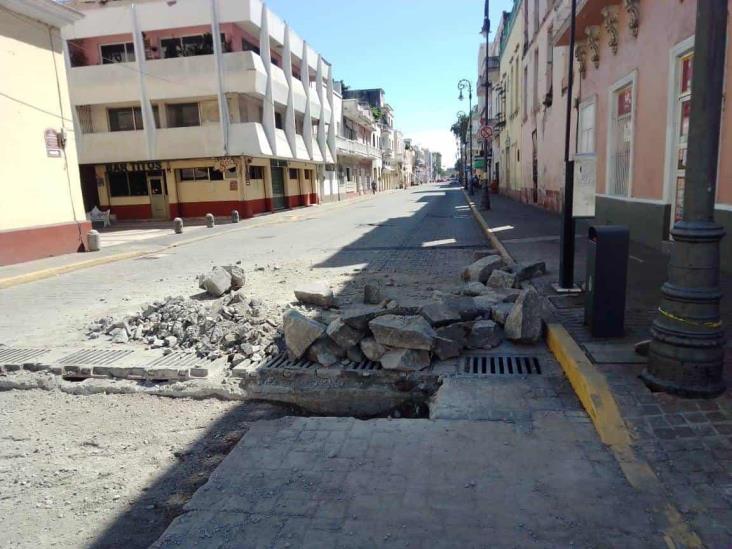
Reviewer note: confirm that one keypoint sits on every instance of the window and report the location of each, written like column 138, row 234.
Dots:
column 549, row 65
column 308, row 175
column 128, row 119
column 293, row 173
column 181, row 115
column 186, row 46
column 200, row 174
column 524, row 97
column 256, row 172
column 117, row 53
column 536, row 79
column 586, row 131
column 620, row 139
column 246, row 45
column 127, row 183
column 278, row 120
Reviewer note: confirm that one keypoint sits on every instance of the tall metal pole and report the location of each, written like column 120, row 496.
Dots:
column 686, row 354
column 462, row 84
column 460, row 116
column 566, row 238
column 486, row 83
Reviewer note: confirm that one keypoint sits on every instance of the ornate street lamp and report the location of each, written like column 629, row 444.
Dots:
column 462, row 84
column 486, row 29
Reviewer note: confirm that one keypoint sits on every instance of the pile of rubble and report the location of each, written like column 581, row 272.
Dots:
column 405, row 333
column 232, row 324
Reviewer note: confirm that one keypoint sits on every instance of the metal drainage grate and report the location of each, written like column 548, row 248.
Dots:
column 178, row 359
column 95, row 357
column 283, row 361
column 12, row 355
column 501, row 365
column 363, row 365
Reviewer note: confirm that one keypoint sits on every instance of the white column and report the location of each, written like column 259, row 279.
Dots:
column 290, row 130
column 74, row 113
column 268, row 113
column 321, row 122
column 307, row 128
column 148, row 119
column 332, row 121
column 223, row 105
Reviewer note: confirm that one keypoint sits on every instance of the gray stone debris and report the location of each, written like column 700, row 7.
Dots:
column 372, row 349
column 325, row 352
column 317, row 293
column 359, row 316
column 355, row 354
column 524, row 321
column 499, row 312
column 464, row 305
column 409, row 360
column 480, row 270
column 527, row 271
column 238, row 276
column 343, row 335
column 475, row 289
column 485, row 334
column 300, row 332
column 406, row 332
column 501, row 279
column 217, row 282
column 480, row 254
column 372, row 293
column 447, row 348
column 440, row 314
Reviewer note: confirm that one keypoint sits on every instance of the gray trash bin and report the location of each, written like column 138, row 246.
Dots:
column 606, row 279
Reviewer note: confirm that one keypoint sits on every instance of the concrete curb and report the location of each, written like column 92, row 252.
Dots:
column 49, row 272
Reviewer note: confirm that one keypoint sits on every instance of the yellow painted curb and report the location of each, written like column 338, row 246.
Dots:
column 54, row 271
column 486, row 229
column 594, row 393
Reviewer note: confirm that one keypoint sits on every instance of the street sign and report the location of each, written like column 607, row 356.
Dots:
column 486, row 132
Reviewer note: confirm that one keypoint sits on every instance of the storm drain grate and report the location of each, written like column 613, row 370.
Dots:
column 363, row 365
column 95, row 357
column 180, row 360
column 12, row 355
column 283, row 361
column 501, row 365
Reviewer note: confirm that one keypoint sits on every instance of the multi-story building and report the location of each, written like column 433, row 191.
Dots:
column 511, row 52
column 635, row 62
column 41, row 212
column 186, row 108
column 357, row 146
column 486, row 111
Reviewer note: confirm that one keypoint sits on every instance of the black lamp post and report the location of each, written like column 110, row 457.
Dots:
column 460, row 116
column 487, row 190
column 462, row 84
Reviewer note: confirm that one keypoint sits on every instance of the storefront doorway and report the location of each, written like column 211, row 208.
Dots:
column 158, row 197
column 278, row 188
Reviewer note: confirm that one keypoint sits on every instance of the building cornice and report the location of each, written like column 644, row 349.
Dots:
column 46, row 11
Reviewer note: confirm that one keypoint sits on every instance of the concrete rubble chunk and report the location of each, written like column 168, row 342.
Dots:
column 456, row 333
column 325, row 352
column 300, row 332
column 440, row 313
column 238, row 276
column 406, row 304
column 463, row 304
column 485, row 334
column 372, row 293
column 372, row 349
column 500, row 311
column 524, row 321
column 527, row 271
column 405, row 332
column 447, row 348
column 484, row 304
column 359, row 316
column 343, row 335
column 406, row 360
column 501, row 279
column 217, row 282
column 480, row 270
column 317, row 293
column 480, row 254
column 355, row 354
column 475, row 288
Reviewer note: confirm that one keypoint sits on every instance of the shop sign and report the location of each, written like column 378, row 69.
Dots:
column 233, row 185
column 53, row 145
column 135, row 166
column 583, row 197
column 225, row 164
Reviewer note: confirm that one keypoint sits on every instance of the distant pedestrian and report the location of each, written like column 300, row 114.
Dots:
column 473, row 184
column 373, row 186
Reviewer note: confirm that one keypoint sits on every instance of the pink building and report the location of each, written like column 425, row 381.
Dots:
column 635, row 60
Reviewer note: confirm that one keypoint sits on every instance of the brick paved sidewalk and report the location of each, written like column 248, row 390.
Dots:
column 688, row 443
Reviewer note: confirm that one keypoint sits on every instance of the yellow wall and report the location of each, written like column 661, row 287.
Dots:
column 512, row 76
column 35, row 189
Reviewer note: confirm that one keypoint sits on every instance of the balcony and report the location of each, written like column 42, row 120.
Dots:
column 349, row 147
column 99, row 148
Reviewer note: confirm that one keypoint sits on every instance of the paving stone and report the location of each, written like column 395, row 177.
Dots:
column 359, row 316
column 524, row 321
column 405, row 360
column 440, row 314
column 217, row 282
column 480, row 270
column 372, row 348
column 316, row 293
column 407, row 332
column 300, row 332
column 343, row 335
column 501, row 279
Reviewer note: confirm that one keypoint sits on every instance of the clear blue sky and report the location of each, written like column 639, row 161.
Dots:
column 416, row 50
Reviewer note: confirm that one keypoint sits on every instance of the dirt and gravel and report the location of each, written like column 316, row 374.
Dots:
column 108, row 470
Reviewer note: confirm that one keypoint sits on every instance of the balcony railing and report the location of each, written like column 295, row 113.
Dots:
column 356, row 148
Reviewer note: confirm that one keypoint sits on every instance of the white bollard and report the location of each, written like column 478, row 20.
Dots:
column 93, row 241
column 210, row 221
column 178, row 225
